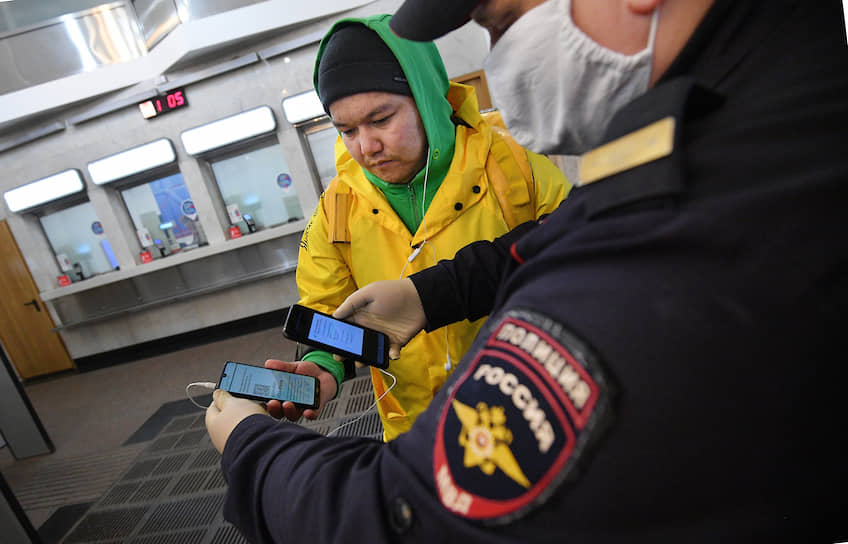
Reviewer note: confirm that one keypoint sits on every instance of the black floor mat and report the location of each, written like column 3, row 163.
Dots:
column 155, row 423
column 61, row 521
column 174, row 490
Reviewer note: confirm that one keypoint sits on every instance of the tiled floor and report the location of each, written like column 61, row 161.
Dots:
column 90, row 415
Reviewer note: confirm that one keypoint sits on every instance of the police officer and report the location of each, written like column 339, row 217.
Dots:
column 661, row 361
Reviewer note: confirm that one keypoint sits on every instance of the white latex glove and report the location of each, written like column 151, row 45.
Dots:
column 390, row 306
column 225, row 413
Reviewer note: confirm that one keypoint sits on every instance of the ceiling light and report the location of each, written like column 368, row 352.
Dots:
column 44, row 190
column 132, row 161
column 303, row 107
column 229, row 130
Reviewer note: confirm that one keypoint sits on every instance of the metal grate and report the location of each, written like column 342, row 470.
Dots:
column 170, row 496
column 113, row 524
column 216, row 480
column 171, row 464
column 329, row 410
column 190, row 439
column 173, row 516
column 207, row 458
column 150, row 490
column 359, row 403
column 182, row 537
column 190, row 483
column 141, row 469
column 368, row 425
column 228, row 535
column 323, row 428
column 164, row 443
column 120, row 493
column 181, row 423
column 360, row 385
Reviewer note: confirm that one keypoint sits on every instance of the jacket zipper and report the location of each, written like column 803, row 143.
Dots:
column 415, row 215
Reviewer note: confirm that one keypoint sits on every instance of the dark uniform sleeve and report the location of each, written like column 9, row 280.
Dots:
column 289, row 484
column 465, row 287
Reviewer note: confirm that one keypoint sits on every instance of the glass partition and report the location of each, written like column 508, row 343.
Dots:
column 164, row 214
column 322, row 139
column 258, row 182
column 78, row 241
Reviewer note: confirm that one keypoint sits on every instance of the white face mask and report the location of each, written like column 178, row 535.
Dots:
column 556, row 88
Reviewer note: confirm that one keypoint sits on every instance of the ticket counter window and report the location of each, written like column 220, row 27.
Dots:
column 163, row 213
column 322, row 140
column 258, row 182
column 78, row 240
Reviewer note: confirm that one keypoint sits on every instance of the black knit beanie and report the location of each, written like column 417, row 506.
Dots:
column 357, row 60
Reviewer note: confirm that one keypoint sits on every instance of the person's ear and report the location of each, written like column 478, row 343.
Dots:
column 642, row 7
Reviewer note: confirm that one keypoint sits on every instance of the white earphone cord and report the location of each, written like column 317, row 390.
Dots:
column 365, row 413
column 417, row 250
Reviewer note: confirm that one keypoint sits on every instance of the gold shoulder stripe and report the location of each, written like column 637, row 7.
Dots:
column 647, row 144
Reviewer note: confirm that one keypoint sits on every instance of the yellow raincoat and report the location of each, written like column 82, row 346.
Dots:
column 466, row 208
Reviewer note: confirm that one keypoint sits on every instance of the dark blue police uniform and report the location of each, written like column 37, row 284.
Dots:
column 663, row 359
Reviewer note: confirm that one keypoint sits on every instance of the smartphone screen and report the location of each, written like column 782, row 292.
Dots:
column 345, row 336
column 336, row 336
column 260, row 383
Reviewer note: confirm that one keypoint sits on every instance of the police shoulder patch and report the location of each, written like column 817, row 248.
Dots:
column 519, row 419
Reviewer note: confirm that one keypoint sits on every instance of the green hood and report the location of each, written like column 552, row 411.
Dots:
column 429, row 83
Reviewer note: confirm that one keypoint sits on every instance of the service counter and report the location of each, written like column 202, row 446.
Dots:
column 202, row 271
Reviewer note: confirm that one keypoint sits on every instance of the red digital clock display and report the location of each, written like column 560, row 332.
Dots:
column 163, row 103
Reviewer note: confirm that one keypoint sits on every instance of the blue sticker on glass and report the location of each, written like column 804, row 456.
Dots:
column 284, row 181
column 97, row 228
column 188, row 208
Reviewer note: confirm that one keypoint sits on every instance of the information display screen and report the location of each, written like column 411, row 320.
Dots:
column 163, row 103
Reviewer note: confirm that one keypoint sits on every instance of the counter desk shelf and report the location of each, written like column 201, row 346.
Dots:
column 255, row 257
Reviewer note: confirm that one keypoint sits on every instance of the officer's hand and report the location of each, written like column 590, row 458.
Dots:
column 288, row 409
column 225, row 412
column 390, row 306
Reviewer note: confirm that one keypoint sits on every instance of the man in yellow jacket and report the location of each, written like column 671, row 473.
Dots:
column 420, row 174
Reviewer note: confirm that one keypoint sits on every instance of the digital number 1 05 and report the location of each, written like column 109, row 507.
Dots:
column 171, row 101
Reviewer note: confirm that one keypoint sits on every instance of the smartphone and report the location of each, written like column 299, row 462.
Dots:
column 264, row 384
column 336, row 336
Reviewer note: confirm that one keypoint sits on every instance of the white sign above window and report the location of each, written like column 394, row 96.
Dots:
column 303, row 107
column 44, row 190
column 132, row 161
column 229, row 130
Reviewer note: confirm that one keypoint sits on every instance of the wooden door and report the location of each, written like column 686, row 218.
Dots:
column 26, row 328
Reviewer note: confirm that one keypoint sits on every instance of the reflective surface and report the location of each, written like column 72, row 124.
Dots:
column 260, row 184
column 197, row 9
column 156, row 18
column 15, row 15
column 77, row 234
column 70, row 44
column 44, row 41
column 160, row 207
column 322, row 140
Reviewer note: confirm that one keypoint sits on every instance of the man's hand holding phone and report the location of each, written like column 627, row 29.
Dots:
column 224, row 415
column 288, row 409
